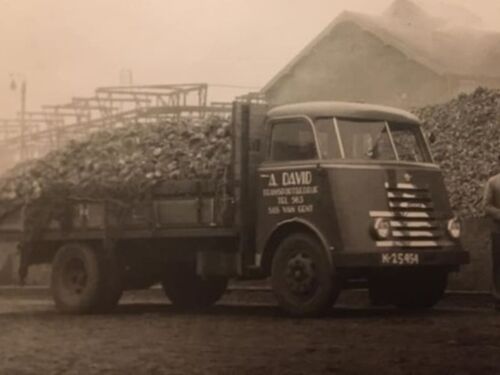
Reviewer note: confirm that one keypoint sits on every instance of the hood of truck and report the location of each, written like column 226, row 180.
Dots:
column 412, row 197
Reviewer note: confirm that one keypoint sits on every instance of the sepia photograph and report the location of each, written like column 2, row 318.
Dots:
column 249, row 187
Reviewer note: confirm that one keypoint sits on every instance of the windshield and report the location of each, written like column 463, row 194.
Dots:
column 372, row 140
column 409, row 143
column 366, row 140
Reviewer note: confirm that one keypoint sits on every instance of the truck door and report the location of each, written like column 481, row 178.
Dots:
column 292, row 185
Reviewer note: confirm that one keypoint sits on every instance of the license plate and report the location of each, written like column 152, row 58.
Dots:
column 400, row 258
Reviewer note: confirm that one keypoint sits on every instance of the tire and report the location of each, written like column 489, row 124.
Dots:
column 84, row 280
column 303, row 279
column 187, row 290
column 420, row 289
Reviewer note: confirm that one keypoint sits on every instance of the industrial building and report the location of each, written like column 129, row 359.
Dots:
column 405, row 57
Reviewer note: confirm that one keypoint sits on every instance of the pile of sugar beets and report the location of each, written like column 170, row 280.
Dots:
column 467, row 145
column 119, row 164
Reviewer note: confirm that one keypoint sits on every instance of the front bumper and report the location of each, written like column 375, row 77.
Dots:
column 433, row 257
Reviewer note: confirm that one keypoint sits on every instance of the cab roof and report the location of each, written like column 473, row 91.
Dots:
column 344, row 109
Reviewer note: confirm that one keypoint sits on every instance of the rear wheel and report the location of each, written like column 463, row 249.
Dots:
column 303, row 279
column 187, row 290
column 84, row 280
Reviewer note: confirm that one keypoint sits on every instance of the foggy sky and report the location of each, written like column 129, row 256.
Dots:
column 66, row 48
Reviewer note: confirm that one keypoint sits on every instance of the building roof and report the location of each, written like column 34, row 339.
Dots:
column 444, row 47
column 343, row 109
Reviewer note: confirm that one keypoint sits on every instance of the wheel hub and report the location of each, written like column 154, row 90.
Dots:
column 76, row 276
column 300, row 274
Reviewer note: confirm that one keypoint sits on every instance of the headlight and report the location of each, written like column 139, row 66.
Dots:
column 381, row 228
column 454, row 228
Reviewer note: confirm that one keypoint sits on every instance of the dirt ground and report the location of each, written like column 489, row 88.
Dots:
column 246, row 334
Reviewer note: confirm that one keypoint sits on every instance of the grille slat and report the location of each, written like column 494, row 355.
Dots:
column 403, row 205
column 404, row 187
column 413, row 244
column 404, row 196
column 416, row 234
column 414, row 224
column 402, row 215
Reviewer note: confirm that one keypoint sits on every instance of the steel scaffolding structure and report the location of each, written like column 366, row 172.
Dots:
column 34, row 133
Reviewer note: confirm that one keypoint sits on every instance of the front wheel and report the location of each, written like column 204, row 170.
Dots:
column 303, row 279
column 187, row 290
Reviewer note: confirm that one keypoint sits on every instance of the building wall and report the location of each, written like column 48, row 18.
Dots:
column 354, row 65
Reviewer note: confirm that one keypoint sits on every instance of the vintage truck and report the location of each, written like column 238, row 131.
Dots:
column 319, row 197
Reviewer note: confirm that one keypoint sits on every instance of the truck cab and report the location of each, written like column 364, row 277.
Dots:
column 346, row 194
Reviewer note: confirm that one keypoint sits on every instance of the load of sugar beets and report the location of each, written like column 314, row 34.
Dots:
column 118, row 165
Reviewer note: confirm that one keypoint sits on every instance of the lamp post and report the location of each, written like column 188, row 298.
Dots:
column 22, row 115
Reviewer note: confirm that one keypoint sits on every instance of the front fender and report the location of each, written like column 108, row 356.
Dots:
column 285, row 228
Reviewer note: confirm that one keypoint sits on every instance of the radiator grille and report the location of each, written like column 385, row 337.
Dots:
column 412, row 218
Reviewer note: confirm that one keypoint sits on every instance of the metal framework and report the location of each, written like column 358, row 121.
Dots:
column 33, row 133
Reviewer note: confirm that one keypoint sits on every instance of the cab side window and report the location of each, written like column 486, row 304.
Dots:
column 292, row 140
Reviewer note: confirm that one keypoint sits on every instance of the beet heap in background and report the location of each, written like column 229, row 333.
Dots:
column 467, row 145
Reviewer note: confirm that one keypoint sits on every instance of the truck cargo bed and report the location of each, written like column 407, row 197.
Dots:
column 174, row 209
